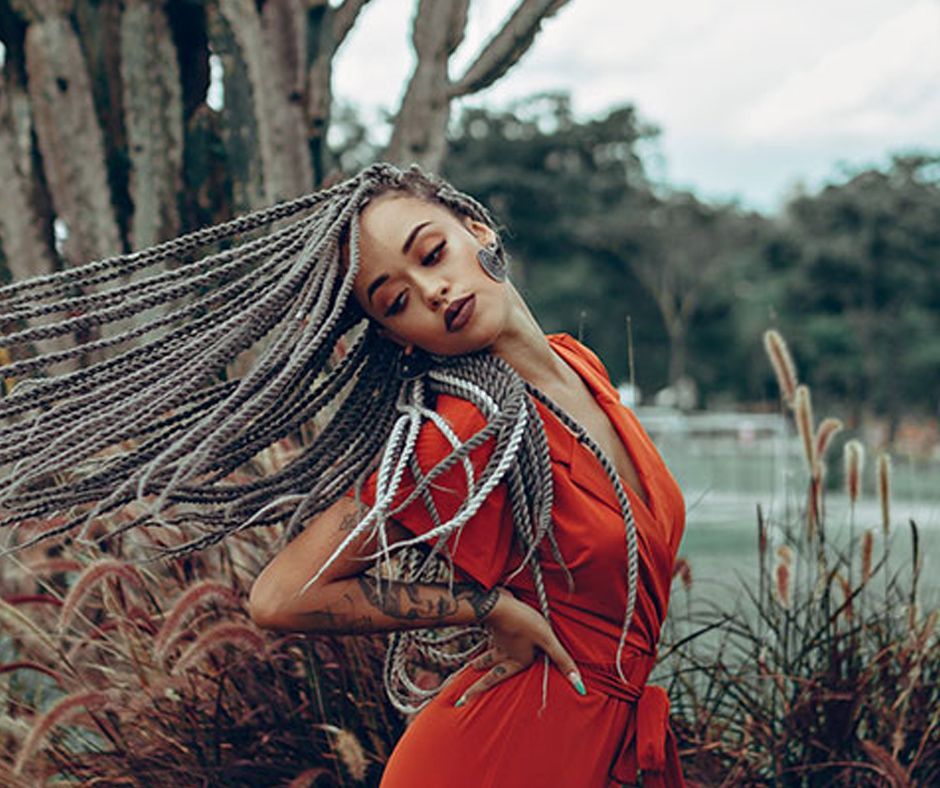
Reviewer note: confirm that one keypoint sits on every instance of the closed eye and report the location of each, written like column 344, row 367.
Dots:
column 434, row 255
column 430, row 258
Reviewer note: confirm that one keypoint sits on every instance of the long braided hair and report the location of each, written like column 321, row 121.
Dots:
column 159, row 423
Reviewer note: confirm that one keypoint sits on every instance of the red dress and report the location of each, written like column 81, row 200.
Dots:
column 500, row 740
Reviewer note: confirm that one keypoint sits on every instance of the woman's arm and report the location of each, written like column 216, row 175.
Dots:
column 344, row 599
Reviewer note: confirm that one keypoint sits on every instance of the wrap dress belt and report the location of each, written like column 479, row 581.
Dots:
column 652, row 736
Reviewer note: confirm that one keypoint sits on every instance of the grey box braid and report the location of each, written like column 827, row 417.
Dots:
column 160, row 424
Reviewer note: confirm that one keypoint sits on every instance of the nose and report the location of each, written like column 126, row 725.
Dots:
column 435, row 291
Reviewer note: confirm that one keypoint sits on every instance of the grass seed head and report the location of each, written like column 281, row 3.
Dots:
column 884, row 490
column 92, row 575
column 223, row 633
column 66, row 709
column 684, row 570
column 782, row 585
column 854, row 458
column 199, row 593
column 782, row 362
column 804, row 424
column 349, row 750
column 827, row 430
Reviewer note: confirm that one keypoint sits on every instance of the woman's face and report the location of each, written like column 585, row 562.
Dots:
column 416, row 258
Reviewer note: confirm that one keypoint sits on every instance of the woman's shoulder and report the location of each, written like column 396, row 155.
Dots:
column 461, row 416
column 566, row 342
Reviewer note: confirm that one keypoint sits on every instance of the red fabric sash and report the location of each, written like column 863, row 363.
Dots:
column 653, row 744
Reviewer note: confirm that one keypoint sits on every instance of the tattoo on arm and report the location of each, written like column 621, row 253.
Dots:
column 360, row 607
column 428, row 601
column 483, row 601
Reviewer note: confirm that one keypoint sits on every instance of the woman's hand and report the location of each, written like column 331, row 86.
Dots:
column 518, row 633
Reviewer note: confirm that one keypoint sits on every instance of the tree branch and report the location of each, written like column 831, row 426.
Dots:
column 344, row 17
column 506, row 47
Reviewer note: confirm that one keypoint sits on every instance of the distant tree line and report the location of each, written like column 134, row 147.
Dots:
column 850, row 274
column 109, row 143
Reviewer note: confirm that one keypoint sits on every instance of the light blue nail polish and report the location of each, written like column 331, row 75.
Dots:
column 575, row 680
column 460, row 702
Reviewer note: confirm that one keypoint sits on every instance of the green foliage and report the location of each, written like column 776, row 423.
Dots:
column 594, row 240
column 850, row 273
column 858, row 287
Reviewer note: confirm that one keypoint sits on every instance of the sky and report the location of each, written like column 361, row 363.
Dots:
column 752, row 96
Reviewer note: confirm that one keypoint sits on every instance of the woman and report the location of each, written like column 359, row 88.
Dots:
column 517, row 507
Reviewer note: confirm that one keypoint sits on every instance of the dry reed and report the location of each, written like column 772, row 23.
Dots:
column 814, row 677
column 854, row 460
column 782, row 363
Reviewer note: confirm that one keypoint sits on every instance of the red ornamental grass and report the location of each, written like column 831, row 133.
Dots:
column 827, row 430
column 68, row 709
column 684, row 571
column 94, row 574
column 308, row 777
column 14, row 621
column 223, row 633
column 197, row 594
column 782, row 362
column 804, row 424
column 854, row 458
column 58, row 564
column 783, row 583
column 349, row 750
column 9, row 667
column 868, row 542
column 884, row 490
column 846, row 593
column 33, row 599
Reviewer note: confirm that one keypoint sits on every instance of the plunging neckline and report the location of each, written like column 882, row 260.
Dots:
column 603, row 399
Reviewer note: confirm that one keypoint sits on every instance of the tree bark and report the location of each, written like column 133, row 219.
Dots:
column 420, row 131
column 153, row 115
column 70, row 140
column 25, row 251
column 328, row 28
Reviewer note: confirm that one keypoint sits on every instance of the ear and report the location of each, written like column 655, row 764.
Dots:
column 483, row 232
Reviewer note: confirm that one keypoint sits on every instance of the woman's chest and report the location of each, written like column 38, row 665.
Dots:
column 594, row 422
column 589, row 525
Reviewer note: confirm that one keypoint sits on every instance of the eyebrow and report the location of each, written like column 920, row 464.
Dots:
column 379, row 281
column 383, row 278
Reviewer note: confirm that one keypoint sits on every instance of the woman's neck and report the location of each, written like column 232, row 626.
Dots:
column 523, row 345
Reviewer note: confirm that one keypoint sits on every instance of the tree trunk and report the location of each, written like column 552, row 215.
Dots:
column 327, row 29
column 25, row 251
column 153, row 115
column 285, row 40
column 677, row 350
column 70, row 140
column 420, row 132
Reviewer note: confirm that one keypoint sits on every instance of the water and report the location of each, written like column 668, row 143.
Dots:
column 724, row 478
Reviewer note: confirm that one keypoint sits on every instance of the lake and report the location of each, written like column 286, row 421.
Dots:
column 724, row 477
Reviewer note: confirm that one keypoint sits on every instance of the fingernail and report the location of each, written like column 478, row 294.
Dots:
column 575, row 679
column 460, row 702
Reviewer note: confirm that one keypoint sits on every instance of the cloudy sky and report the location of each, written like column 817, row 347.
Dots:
column 752, row 95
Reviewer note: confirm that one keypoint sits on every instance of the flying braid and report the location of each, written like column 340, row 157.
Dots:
column 163, row 422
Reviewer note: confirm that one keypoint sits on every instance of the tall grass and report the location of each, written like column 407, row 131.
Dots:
column 827, row 672
column 113, row 673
